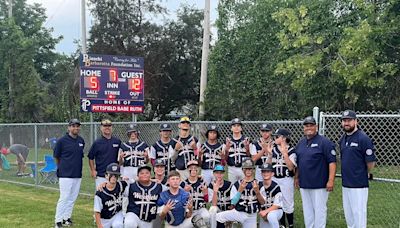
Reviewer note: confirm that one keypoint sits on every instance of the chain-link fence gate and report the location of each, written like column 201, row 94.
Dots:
column 384, row 196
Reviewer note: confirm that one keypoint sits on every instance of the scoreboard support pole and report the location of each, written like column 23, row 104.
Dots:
column 134, row 117
column 91, row 129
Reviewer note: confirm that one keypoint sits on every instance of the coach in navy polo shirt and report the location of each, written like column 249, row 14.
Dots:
column 357, row 154
column 68, row 153
column 104, row 151
column 316, row 163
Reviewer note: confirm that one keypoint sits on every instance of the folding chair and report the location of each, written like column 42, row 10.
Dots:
column 49, row 172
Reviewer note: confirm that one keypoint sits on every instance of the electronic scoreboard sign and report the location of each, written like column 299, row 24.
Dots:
column 111, row 83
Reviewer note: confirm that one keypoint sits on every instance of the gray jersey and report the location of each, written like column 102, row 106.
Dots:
column 19, row 149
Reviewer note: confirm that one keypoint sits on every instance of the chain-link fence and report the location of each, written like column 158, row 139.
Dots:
column 384, row 196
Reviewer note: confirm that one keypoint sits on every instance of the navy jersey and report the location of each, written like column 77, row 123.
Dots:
column 196, row 192
column 176, row 216
column 134, row 153
column 313, row 158
column 237, row 152
column 272, row 195
column 356, row 150
column 278, row 162
column 257, row 147
column 248, row 201
column 211, row 155
column 162, row 151
column 224, row 195
column 143, row 200
column 69, row 152
column 109, row 203
column 104, row 151
column 186, row 153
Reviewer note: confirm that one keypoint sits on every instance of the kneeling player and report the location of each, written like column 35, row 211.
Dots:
column 219, row 195
column 246, row 197
column 142, row 200
column 175, row 205
column 271, row 211
column 108, row 201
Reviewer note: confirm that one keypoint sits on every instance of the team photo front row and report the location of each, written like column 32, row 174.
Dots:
column 178, row 182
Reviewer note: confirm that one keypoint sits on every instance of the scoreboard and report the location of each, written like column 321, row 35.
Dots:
column 111, row 83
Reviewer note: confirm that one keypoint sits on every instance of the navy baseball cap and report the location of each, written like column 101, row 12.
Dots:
column 236, row 121
column 265, row 127
column 283, row 132
column 165, row 127
column 113, row 168
column 309, row 120
column 132, row 128
column 143, row 167
column 159, row 162
column 349, row 114
column 266, row 167
column 213, row 128
column 74, row 121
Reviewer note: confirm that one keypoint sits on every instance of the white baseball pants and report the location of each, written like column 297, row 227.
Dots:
column 247, row 220
column 314, row 207
column 355, row 202
column 286, row 185
column 133, row 221
column 130, row 172
column 117, row 221
column 273, row 219
column 69, row 190
column 207, row 175
column 235, row 174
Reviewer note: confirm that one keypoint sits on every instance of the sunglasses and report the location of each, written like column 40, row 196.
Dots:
column 106, row 125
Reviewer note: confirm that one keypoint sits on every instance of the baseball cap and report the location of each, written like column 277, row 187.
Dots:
column 236, row 121
column 159, row 162
column 349, row 114
column 165, row 127
column 282, row 131
column 247, row 164
column 219, row 168
column 309, row 120
column 212, row 127
column 74, row 121
column 106, row 122
column 192, row 162
column 266, row 167
column 265, row 127
column 131, row 128
column 184, row 119
column 113, row 168
column 143, row 167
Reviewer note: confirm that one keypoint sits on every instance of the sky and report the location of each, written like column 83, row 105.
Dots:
column 64, row 17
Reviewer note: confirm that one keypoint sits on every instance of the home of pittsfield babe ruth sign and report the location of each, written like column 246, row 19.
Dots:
column 111, row 83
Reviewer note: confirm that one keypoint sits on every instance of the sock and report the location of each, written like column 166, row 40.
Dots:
column 282, row 220
column 290, row 219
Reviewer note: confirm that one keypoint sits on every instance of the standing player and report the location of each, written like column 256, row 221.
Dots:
column 185, row 148
column 258, row 149
column 68, row 153
column 237, row 149
column 103, row 152
column 175, row 205
column 358, row 159
column 271, row 210
column 21, row 151
column 199, row 193
column 163, row 148
column 284, row 163
column 108, row 201
column 316, row 168
column 211, row 153
column 142, row 200
column 133, row 154
column 246, row 197
column 159, row 172
column 219, row 192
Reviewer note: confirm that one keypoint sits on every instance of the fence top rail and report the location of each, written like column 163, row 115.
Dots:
column 154, row 122
column 365, row 115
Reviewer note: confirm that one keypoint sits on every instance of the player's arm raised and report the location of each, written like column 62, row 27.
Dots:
column 166, row 208
column 256, row 189
column 189, row 208
column 247, row 146
column 285, row 152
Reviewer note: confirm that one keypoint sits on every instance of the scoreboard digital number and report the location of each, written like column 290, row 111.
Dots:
column 111, row 83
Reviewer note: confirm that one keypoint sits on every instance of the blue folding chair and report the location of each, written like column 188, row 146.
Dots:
column 49, row 172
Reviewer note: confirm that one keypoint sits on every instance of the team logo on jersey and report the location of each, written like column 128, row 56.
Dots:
column 368, row 152
column 353, row 144
column 333, row 152
column 115, row 145
column 80, row 144
column 314, row 145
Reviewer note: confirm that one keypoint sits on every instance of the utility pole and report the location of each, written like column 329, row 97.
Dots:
column 10, row 6
column 10, row 77
column 204, row 57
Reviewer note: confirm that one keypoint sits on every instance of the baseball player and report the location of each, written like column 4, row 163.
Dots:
column 21, row 151
column 133, row 154
column 199, row 193
column 68, row 153
column 284, row 163
column 185, row 148
column 246, row 197
column 211, row 153
column 159, row 172
column 271, row 211
column 258, row 151
column 219, row 195
column 103, row 152
column 237, row 148
column 142, row 200
column 108, row 200
column 175, row 204
column 164, row 148
column 315, row 174
column 358, row 159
